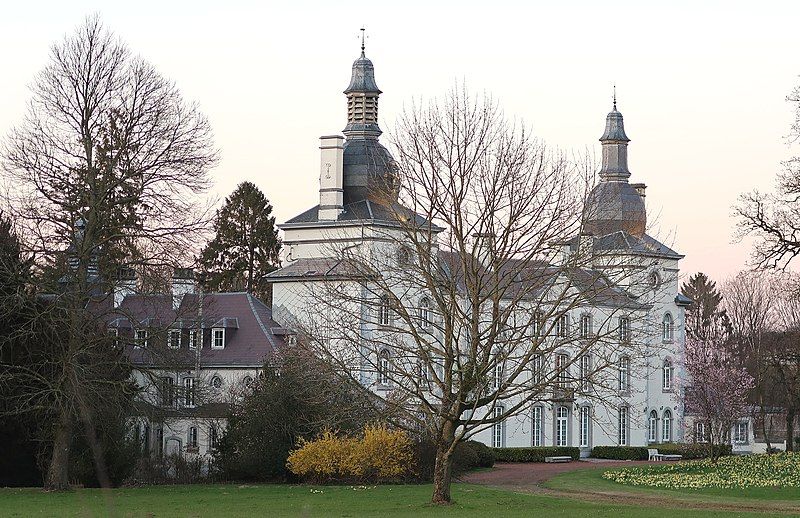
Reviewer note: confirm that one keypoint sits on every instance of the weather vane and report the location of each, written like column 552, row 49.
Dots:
column 613, row 96
column 363, row 37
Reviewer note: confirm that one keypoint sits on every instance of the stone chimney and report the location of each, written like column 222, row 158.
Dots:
column 331, row 192
column 125, row 285
column 182, row 284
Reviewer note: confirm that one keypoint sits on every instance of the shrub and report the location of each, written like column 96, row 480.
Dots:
column 535, row 454
column 620, row 452
column 485, row 454
column 379, row 455
column 465, row 458
column 693, row 450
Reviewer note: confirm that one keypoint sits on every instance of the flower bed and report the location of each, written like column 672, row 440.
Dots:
column 779, row 470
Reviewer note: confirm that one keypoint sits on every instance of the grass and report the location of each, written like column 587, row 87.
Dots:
column 221, row 501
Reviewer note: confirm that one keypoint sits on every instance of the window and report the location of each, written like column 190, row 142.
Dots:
column 667, row 328
column 538, row 323
column 194, row 338
column 586, row 370
column 167, row 390
column 384, row 315
column 622, row 426
column 624, row 366
column 740, row 433
column 141, row 338
column 497, row 428
column 586, row 326
column 218, row 338
column 700, row 432
column 213, row 437
column 655, row 280
column 585, row 418
column 403, row 256
column 562, row 426
column 562, row 326
column 537, row 368
column 652, row 427
column 562, row 368
column 192, row 442
column 160, row 442
column 113, row 332
column 537, row 427
column 666, row 375
column 424, row 313
column 248, row 381
column 174, row 338
column 666, row 424
column 188, row 392
column 624, row 329
column 216, row 382
column 497, row 372
column 383, row 367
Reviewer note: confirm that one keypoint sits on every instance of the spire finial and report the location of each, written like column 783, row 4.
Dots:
column 363, row 30
column 614, row 96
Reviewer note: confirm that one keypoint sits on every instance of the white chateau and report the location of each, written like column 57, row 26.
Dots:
column 641, row 404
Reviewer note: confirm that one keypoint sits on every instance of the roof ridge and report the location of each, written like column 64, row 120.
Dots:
column 261, row 325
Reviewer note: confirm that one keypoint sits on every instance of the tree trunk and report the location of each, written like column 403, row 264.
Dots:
column 790, row 413
column 58, row 471
column 443, row 469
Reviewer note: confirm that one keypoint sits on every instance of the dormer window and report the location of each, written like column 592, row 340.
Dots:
column 218, row 338
column 174, row 338
column 141, row 338
column 194, row 338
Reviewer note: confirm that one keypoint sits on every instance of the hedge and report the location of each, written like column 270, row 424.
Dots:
column 688, row 451
column 535, row 454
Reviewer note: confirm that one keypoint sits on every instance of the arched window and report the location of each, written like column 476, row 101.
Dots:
column 424, row 313
column 622, row 426
column 537, row 368
column 497, row 428
column 586, row 326
column 384, row 312
column 624, row 366
column 537, row 426
column 666, row 375
column 655, row 280
column 384, row 364
column 585, row 421
column 248, row 381
column 667, row 328
column 666, row 432
column 652, row 427
column 562, row 368
column 213, row 436
column 538, row 323
column 562, row 326
column 192, row 442
column 624, row 329
column 586, row 370
column 699, row 432
column 562, row 426
column 216, row 382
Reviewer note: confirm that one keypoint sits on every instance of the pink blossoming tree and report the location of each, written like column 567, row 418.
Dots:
column 717, row 389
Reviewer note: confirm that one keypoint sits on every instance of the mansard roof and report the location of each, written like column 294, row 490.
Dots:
column 361, row 211
column 624, row 242
column 247, row 322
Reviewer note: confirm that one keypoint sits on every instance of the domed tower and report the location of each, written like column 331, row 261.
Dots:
column 614, row 204
column 369, row 170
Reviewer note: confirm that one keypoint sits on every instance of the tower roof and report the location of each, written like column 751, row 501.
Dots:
column 362, row 79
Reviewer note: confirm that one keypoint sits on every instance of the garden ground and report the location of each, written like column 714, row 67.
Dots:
column 575, row 490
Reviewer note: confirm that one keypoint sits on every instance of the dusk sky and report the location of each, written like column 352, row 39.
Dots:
column 702, row 86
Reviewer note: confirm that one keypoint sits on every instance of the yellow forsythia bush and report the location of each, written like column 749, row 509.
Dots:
column 378, row 455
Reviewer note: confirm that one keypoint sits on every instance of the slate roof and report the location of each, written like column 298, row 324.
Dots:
column 625, row 242
column 247, row 322
column 362, row 211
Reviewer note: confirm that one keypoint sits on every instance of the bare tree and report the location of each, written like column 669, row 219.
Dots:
column 468, row 305
column 104, row 171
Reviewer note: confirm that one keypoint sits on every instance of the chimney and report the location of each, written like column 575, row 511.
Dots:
column 126, row 285
column 640, row 187
column 484, row 248
column 331, row 170
column 182, row 284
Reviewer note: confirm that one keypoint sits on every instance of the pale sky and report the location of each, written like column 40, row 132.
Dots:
column 702, row 85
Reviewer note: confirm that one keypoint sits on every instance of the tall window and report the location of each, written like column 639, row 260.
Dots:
column 666, row 375
column 562, row 326
column 622, row 426
column 497, row 428
column 585, row 417
column 213, row 437
column 141, row 338
column 624, row 366
column 740, row 432
column 497, row 372
column 537, row 427
column 586, row 326
column 218, row 338
column 562, row 367
column 384, row 316
column 562, row 426
column 652, row 427
column 666, row 432
column 167, row 390
column 586, row 370
column 194, row 338
column 537, row 368
column 188, row 392
column 192, row 442
column 700, row 431
column 538, row 323
column 424, row 313
column 175, row 338
column 384, row 363
column 624, row 327
column 667, row 328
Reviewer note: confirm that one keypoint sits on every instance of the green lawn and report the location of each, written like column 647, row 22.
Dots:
column 220, row 501
column 592, row 478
